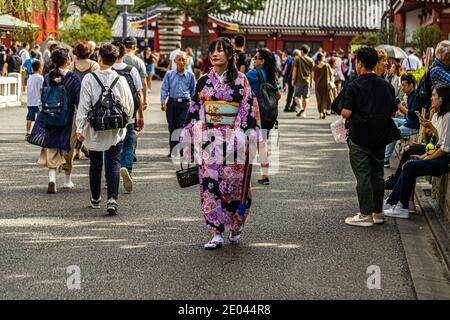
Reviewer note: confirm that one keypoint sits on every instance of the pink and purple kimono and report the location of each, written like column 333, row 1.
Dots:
column 221, row 120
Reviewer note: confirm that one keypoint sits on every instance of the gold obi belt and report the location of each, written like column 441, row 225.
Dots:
column 221, row 112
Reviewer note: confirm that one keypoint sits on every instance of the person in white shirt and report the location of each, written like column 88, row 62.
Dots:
column 173, row 56
column 411, row 63
column 23, row 53
column 34, row 89
column 132, row 75
column 104, row 146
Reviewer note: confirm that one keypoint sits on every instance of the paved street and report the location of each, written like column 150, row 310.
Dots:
column 295, row 245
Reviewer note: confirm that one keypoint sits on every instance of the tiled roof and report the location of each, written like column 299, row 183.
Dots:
column 346, row 15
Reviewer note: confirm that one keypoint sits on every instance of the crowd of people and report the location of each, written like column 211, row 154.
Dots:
column 101, row 93
column 387, row 103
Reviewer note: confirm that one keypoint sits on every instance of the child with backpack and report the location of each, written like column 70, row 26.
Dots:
column 53, row 127
column 34, row 86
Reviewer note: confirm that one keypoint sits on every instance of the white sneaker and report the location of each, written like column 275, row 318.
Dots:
column 386, row 206
column 397, row 212
column 304, row 114
column 412, row 207
column 69, row 185
column 378, row 218
column 215, row 243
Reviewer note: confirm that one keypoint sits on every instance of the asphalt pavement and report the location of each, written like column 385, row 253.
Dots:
column 295, row 244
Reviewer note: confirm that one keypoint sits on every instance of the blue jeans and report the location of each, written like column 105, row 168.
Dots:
column 112, row 171
column 128, row 148
column 413, row 169
column 404, row 132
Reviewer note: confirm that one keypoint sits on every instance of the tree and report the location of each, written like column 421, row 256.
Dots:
column 92, row 27
column 105, row 8
column 23, row 8
column 425, row 37
column 199, row 10
column 386, row 34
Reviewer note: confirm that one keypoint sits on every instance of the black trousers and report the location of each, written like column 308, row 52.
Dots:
column 175, row 114
column 290, row 104
column 112, row 159
column 415, row 149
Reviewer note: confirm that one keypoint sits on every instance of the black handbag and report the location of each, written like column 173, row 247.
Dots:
column 188, row 177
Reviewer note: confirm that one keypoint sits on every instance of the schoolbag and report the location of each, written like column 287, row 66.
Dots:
column 423, row 91
column 268, row 103
column 81, row 74
column 55, row 104
column 108, row 112
column 28, row 66
column 126, row 73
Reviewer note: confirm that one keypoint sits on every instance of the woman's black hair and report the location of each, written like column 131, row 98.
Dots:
column 225, row 44
column 443, row 91
column 269, row 64
column 59, row 58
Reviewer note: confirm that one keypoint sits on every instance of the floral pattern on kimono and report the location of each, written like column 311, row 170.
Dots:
column 221, row 182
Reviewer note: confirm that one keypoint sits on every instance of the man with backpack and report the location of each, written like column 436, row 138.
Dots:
column 133, row 78
column 106, row 106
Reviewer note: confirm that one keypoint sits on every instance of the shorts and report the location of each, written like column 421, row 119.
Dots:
column 302, row 90
column 150, row 68
column 32, row 112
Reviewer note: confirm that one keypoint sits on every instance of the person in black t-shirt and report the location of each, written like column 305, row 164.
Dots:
column 369, row 104
column 13, row 62
column 242, row 60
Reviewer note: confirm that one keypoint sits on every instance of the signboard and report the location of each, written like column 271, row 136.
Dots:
column 125, row 2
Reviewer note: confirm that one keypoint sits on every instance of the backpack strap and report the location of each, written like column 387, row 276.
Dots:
column 260, row 76
column 98, row 81
column 114, row 82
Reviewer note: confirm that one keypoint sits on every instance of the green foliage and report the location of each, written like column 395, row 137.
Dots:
column 106, row 8
column 92, row 27
column 23, row 8
column 386, row 35
column 425, row 37
column 28, row 35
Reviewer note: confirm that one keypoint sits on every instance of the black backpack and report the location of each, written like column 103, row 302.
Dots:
column 126, row 72
column 268, row 103
column 108, row 112
column 423, row 91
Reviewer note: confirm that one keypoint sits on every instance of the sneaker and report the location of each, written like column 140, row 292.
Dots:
column 304, row 114
column 378, row 218
column 386, row 205
column 360, row 221
column 390, row 182
column 215, row 243
column 127, row 180
column 95, row 204
column 328, row 112
column 26, row 136
column 300, row 112
column 412, row 207
column 51, row 187
column 264, row 181
column 397, row 212
column 387, row 164
column 69, row 185
column 112, row 207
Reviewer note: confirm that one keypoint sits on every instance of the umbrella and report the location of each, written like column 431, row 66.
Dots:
column 393, row 51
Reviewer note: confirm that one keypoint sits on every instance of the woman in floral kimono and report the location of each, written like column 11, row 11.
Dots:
column 222, row 117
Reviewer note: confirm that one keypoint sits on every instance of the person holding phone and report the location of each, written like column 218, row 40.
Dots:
column 423, row 164
column 409, row 125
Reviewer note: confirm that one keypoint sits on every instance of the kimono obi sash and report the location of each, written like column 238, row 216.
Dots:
column 221, row 112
